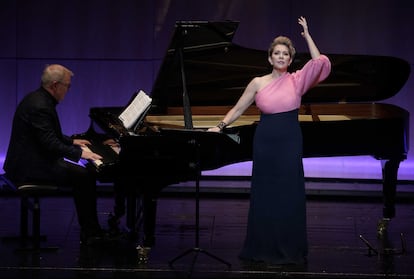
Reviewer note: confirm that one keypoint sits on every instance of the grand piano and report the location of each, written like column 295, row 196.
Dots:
column 202, row 76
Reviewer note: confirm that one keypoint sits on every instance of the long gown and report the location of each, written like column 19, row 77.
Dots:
column 276, row 228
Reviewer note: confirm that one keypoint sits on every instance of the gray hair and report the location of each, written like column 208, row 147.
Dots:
column 54, row 73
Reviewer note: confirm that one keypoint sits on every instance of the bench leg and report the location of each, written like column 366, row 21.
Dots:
column 35, row 238
column 24, row 218
column 28, row 204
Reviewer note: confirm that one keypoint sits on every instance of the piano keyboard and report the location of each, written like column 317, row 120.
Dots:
column 109, row 154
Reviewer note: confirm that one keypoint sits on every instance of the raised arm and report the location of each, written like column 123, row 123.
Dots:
column 313, row 49
column 246, row 99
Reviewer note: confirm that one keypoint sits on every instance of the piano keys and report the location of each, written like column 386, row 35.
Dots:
column 202, row 76
column 109, row 153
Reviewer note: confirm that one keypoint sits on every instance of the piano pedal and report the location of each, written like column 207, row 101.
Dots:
column 143, row 254
column 382, row 228
column 385, row 248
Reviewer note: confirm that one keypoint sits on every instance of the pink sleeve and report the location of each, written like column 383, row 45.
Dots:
column 314, row 71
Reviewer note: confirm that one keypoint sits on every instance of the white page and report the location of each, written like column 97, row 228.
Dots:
column 135, row 109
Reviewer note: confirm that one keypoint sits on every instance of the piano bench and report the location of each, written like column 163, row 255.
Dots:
column 30, row 195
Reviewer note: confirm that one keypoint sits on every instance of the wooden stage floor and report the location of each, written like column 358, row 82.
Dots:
column 336, row 222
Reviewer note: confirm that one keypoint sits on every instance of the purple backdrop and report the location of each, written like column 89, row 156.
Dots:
column 115, row 47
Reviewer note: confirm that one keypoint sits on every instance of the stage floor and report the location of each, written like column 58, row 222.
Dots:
column 336, row 226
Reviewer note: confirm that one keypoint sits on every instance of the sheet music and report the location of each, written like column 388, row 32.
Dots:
column 135, row 109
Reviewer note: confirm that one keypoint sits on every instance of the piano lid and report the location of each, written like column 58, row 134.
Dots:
column 217, row 71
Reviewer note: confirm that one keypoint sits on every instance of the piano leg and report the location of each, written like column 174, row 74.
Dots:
column 149, row 205
column 389, row 188
column 141, row 213
column 389, row 176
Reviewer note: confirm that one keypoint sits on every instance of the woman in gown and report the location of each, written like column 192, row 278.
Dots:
column 276, row 226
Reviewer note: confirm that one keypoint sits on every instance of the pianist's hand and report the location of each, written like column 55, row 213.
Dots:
column 111, row 142
column 88, row 155
column 81, row 142
column 86, row 152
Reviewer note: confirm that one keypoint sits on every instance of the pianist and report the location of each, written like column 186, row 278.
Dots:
column 37, row 149
column 276, row 228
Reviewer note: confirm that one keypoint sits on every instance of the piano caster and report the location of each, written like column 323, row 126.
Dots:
column 382, row 228
column 143, row 254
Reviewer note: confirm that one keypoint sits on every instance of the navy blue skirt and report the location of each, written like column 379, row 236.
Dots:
column 276, row 226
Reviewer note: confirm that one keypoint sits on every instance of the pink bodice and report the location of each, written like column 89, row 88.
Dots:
column 285, row 92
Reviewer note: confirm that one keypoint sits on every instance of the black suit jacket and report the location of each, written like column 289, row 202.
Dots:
column 37, row 141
